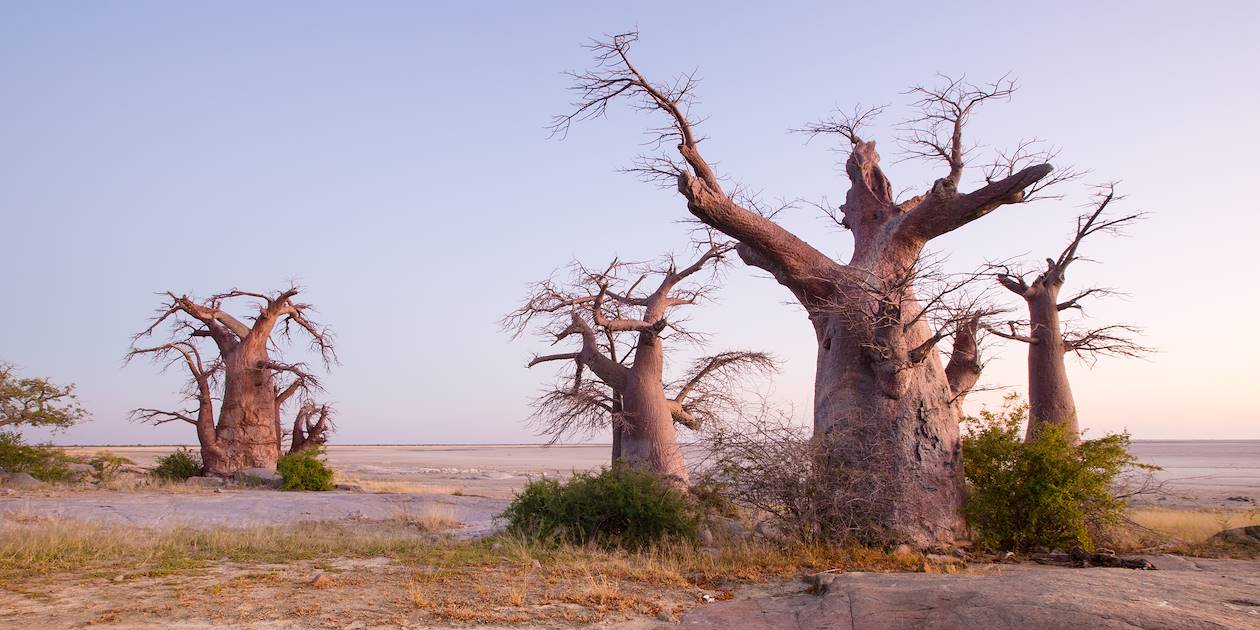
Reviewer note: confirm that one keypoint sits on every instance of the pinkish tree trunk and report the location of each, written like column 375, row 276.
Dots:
column 1050, row 399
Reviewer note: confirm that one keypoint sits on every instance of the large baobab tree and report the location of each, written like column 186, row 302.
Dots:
column 243, row 376
column 879, row 376
column 628, row 392
column 1049, row 392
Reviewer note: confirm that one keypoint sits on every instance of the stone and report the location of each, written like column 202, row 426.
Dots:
column 1248, row 537
column 20, row 481
column 819, row 583
column 258, row 477
column 1218, row 594
column 664, row 616
column 206, row 482
column 358, row 625
column 706, row 536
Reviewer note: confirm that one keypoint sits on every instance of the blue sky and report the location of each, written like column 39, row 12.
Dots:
column 392, row 158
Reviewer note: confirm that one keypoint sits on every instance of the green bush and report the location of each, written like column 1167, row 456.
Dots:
column 619, row 507
column 305, row 470
column 179, row 465
column 43, row 461
column 1044, row 492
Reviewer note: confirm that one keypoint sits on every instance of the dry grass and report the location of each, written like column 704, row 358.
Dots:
column 1193, row 526
column 503, row 580
column 433, row 517
column 390, row 486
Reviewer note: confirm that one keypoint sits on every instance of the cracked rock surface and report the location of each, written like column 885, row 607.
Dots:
column 1182, row 593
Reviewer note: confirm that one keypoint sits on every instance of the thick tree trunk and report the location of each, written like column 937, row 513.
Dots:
column 902, row 452
column 615, row 414
column 648, row 438
column 247, row 423
column 1050, row 398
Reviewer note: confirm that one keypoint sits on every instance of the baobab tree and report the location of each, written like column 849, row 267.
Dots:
column 879, row 376
column 242, row 374
column 629, row 393
column 1049, row 392
column 311, row 426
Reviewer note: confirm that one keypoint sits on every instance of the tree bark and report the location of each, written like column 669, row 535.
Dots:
column 649, row 439
column 247, row 430
column 615, row 415
column 1050, row 398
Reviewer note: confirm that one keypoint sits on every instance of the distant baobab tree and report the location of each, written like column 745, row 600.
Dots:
column 1049, row 392
column 251, row 385
column 879, row 377
column 628, row 393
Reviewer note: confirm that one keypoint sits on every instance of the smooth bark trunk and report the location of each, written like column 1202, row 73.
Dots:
column 247, row 423
column 649, row 439
column 1050, row 398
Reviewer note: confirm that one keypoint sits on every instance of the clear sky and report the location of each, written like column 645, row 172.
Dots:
column 392, row 158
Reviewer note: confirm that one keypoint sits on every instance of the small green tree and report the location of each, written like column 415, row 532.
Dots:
column 36, row 401
column 1046, row 491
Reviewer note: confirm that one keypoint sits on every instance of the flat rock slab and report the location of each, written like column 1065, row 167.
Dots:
column 1197, row 593
column 247, row 508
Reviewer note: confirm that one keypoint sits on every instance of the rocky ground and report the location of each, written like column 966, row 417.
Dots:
column 1182, row 593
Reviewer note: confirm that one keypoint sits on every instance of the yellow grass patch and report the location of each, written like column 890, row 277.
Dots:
column 1192, row 526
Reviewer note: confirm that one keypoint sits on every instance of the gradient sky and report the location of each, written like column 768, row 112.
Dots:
column 392, row 158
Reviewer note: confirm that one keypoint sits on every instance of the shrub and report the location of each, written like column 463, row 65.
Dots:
column 43, row 461
column 618, row 507
column 1046, row 491
column 824, row 488
column 108, row 464
column 305, row 470
column 179, row 465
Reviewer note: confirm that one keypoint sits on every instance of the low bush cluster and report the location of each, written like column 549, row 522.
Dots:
column 108, row 464
column 305, row 470
column 1044, row 492
column 617, row 507
column 179, row 465
column 43, row 461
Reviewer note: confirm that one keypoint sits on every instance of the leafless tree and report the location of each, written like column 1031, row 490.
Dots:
column 311, row 426
column 1049, row 393
column 629, row 393
column 249, row 384
column 888, row 392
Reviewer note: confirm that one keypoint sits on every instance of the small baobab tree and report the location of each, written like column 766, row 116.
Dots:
column 311, row 425
column 1049, row 341
column 250, row 385
column 879, row 376
column 620, row 317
